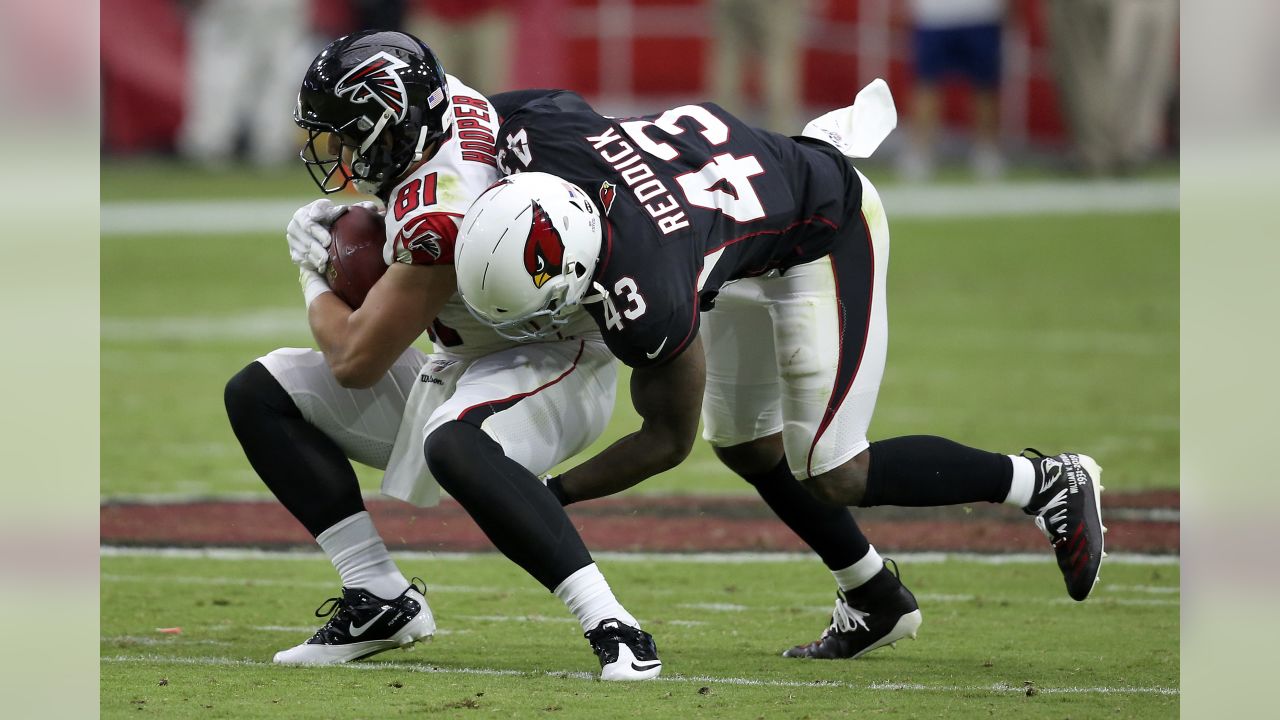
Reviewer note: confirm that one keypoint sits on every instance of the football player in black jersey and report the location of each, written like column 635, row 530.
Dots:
column 741, row 273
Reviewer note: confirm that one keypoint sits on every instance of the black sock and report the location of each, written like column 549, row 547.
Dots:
column 829, row 529
column 508, row 502
column 306, row 470
column 927, row 471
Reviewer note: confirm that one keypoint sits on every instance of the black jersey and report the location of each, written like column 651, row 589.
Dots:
column 693, row 198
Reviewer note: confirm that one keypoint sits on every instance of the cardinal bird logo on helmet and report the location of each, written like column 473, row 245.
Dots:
column 377, row 79
column 544, row 249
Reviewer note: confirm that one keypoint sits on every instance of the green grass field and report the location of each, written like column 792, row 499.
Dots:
column 1054, row 332
column 1059, row 332
column 509, row 649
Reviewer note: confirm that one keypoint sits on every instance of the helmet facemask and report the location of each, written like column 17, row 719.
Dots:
column 367, row 155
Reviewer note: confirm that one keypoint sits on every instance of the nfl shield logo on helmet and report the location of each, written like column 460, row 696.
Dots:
column 378, row 79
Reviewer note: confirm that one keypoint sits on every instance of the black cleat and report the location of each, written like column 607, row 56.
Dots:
column 361, row 625
column 625, row 652
column 873, row 615
column 1068, row 510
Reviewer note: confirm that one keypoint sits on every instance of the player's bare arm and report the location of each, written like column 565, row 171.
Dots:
column 668, row 399
column 361, row 345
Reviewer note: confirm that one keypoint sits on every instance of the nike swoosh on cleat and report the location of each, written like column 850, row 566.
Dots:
column 642, row 668
column 358, row 630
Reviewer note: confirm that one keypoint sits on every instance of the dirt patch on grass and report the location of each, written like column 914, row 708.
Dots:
column 1145, row 522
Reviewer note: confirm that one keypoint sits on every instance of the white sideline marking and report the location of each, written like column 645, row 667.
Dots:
column 308, row 630
column 728, row 558
column 998, row 688
column 251, row 582
column 1106, row 600
column 203, row 217
column 1154, row 589
column 166, row 640
column 517, row 618
column 268, row 323
column 714, row 607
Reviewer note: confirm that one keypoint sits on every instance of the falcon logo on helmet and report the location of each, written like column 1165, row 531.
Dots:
column 544, row 249
column 377, row 79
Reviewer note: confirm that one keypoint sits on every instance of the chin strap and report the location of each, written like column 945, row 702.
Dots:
column 423, row 134
column 377, row 130
column 599, row 295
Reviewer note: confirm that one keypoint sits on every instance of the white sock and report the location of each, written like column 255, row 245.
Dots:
column 860, row 572
column 1024, row 481
column 361, row 558
column 589, row 598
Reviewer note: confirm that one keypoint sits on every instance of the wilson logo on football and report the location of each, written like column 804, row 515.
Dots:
column 544, row 249
column 377, row 79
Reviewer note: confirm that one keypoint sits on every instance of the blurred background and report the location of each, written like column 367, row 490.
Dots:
column 985, row 88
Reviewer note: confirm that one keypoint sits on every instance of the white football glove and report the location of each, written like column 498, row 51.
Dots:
column 858, row 130
column 308, row 232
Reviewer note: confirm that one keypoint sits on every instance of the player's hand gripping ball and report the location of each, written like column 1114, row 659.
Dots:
column 355, row 254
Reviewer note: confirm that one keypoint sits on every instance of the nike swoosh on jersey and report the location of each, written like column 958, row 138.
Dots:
column 654, row 354
column 358, row 630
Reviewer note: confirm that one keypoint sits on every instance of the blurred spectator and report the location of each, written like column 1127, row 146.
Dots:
column 765, row 36
column 379, row 14
column 246, row 60
column 955, row 38
column 1115, row 65
column 471, row 37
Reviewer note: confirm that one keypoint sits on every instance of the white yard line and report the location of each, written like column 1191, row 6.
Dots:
column 268, row 323
column 727, row 558
column 997, row 688
column 194, row 218
column 244, row 581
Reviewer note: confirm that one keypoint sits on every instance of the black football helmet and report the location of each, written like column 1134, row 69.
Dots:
column 384, row 96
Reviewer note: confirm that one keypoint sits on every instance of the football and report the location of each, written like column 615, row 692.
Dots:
column 355, row 255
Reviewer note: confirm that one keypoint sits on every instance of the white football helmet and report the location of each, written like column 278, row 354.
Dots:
column 526, row 254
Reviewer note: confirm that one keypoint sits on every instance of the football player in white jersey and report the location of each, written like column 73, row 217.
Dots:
column 482, row 416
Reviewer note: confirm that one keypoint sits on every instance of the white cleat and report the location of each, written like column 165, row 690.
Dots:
column 361, row 624
column 625, row 652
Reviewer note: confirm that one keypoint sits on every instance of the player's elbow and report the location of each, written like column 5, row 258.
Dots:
column 353, row 374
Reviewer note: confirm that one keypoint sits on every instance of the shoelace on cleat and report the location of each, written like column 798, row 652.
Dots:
column 338, row 611
column 605, row 641
column 846, row 618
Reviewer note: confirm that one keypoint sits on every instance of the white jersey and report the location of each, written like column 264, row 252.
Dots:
column 425, row 209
